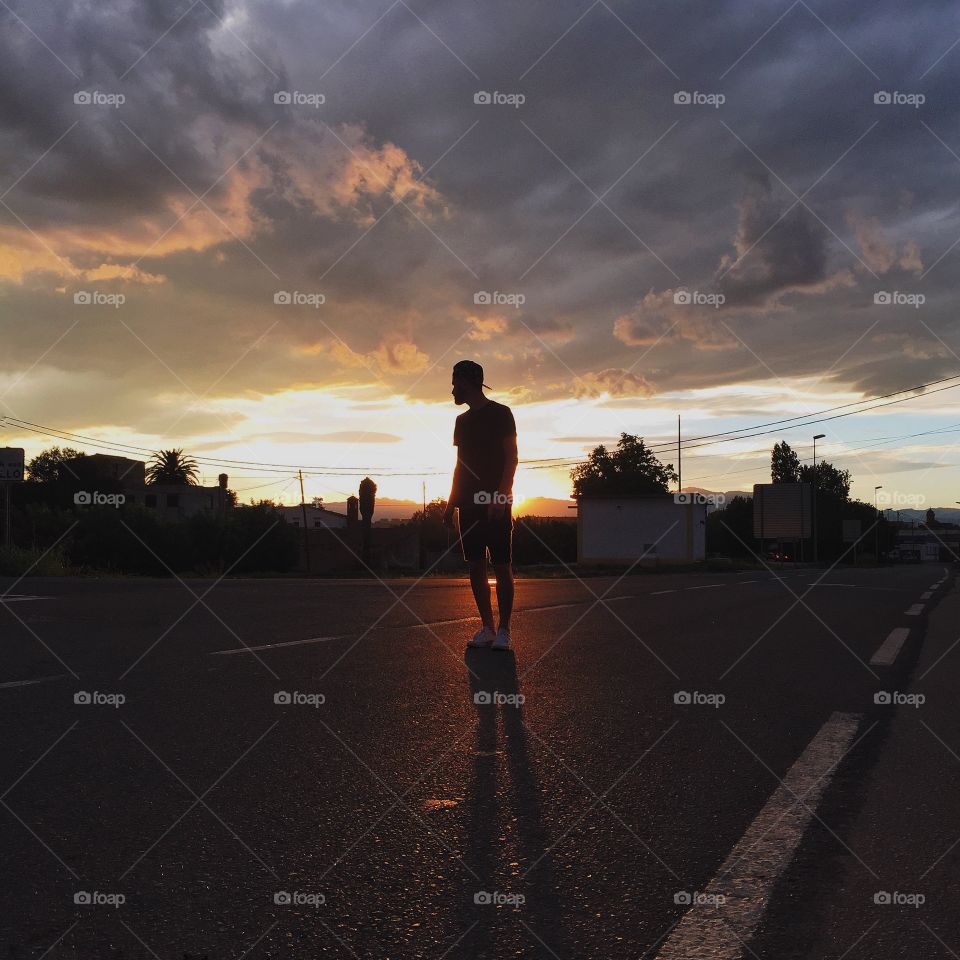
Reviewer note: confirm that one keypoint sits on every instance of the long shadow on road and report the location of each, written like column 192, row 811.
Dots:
column 496, row 920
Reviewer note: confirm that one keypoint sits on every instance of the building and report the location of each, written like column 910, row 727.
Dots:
column 651, row 528
column 174, row 501
column 930, row 541
column 317, row 517
column 89, row 468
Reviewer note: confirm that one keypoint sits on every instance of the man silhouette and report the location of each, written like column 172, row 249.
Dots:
column 482, row 492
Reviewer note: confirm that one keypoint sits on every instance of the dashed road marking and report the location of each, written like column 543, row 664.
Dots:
column 274, row 646
column 927, row 595
column 890, row 648
column 915, row 610
column 705, row 586
column 656, row 593
column 13, row 598
column 748, row 875
column 27, row 683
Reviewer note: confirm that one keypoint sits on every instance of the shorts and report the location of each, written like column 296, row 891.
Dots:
column 477, row 533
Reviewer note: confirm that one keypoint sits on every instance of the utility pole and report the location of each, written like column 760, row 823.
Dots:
column 816, row 479
column 876, row 520
column 303, row 513
column 679, row 460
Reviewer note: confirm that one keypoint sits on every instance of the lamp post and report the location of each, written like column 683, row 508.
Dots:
column 817, row 437
column 876, row 511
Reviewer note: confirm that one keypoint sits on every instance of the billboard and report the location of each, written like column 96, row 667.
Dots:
column 781, row 511
column 11, row 463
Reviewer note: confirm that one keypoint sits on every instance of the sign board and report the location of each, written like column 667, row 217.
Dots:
column 11, row 463
column 781, row 511
column 852, row 528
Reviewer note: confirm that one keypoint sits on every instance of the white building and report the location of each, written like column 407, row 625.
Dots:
column 627, row 527
column 317, row 517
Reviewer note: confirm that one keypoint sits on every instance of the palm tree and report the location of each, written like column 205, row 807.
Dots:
column 172, row 466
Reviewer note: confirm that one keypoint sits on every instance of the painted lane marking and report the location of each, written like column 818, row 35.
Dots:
column 657, row 593
column 890, row 648
column 705, row 586
column 927, row 595
column 915, row 610
column 27, row 683
column 13, row 598
column 274, row 646
column 748, row 875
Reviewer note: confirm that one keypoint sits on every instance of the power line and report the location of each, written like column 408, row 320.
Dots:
column 534, row 463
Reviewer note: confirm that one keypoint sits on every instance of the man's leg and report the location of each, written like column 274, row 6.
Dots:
column 504, row 574
column 481, row 590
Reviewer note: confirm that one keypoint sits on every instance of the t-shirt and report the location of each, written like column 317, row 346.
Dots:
column 478, row 435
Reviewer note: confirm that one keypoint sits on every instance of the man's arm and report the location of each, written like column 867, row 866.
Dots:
column 510, row 461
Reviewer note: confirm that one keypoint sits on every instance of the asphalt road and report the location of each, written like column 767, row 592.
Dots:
column 406, row 780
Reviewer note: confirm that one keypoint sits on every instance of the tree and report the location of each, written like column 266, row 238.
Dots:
column 317, row 502
column 829, row 480
column 172, row 466
column 45, row 466
column 784, row 464
column 631, row 468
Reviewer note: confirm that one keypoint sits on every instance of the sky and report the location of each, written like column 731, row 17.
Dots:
column 265, row 231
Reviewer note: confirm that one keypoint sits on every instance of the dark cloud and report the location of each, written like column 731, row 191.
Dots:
column 400, row 197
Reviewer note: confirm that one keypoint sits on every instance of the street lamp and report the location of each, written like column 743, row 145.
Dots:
column 876, row 511
column 817, row 437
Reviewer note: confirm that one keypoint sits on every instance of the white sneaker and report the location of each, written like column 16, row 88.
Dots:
column 501, row 641
column 484, row 637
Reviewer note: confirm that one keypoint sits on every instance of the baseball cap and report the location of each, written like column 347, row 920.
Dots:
column 470, row 371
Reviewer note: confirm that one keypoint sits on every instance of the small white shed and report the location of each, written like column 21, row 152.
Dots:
column 653, row 528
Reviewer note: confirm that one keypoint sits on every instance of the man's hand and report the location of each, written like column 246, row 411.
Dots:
column 448, row 518
column 498, row 507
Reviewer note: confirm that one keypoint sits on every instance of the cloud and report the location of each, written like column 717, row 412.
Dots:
column 613, row 381
column 778, row 251
column 877, row 252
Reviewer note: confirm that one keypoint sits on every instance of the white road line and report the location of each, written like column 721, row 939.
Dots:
column 656, row 593
column 748, row 581
column 274, row 646
column 27, row 683
column 705, row 586
column 747, row 877
column 18, row 596
column 890, row 648
column 915, row 610
column 927, row 595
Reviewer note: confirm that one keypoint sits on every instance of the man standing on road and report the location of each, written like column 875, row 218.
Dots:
column 482, row 490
